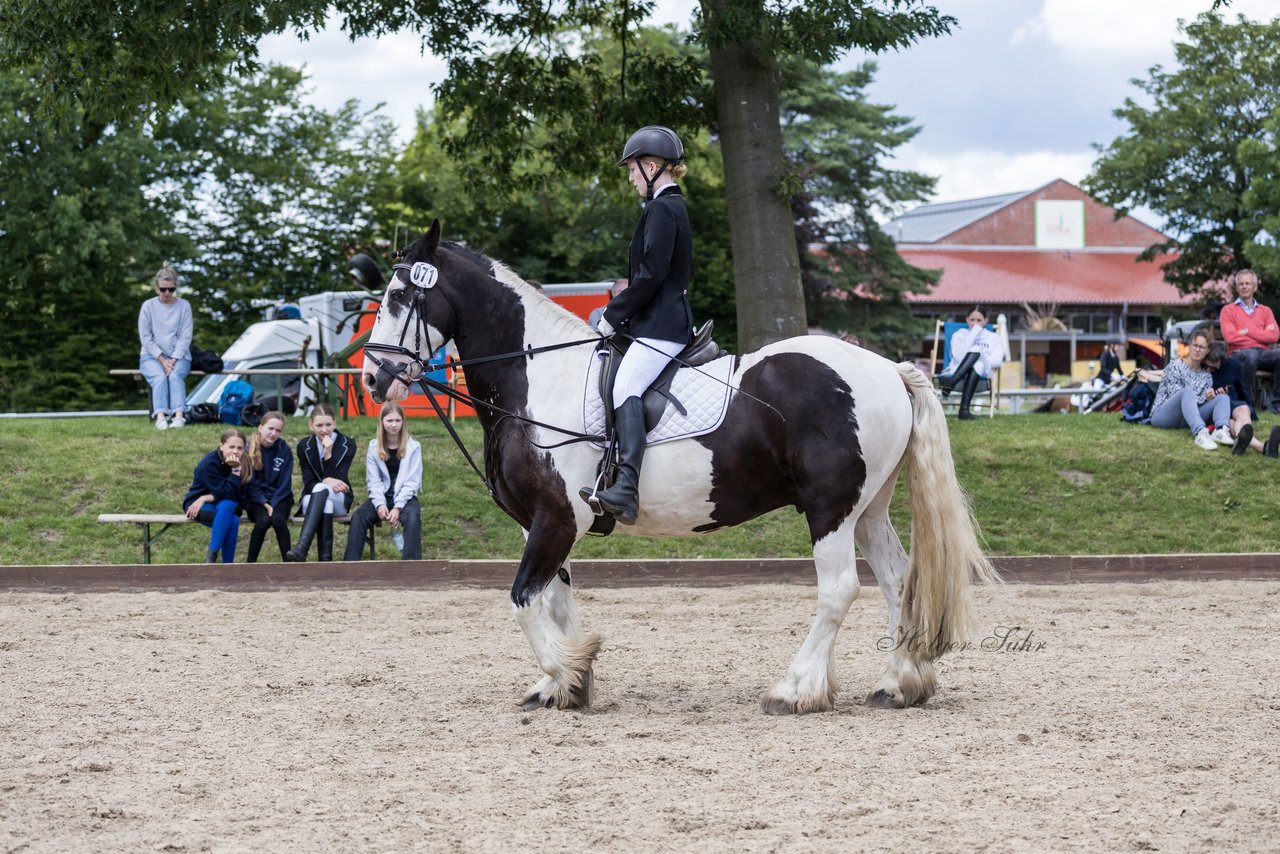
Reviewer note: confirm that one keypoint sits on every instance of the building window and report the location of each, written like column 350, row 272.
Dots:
column 1091, row 323
column 1144, row 324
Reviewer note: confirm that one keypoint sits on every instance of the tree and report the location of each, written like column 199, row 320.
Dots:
column 1200, row 156
column 837, row 142
column 274, row 195
column 525, row 81
column 79, row 238
column 248, row 193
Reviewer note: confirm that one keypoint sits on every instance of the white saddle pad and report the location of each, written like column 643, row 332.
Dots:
column 703, row 392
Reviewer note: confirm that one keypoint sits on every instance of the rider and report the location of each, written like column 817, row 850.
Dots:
column 653, row 312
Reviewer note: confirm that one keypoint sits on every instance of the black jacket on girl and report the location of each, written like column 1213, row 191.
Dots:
column 316, row 468
column 656, row 302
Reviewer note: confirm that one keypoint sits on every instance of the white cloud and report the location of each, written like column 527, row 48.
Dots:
column 391, row 70
column 1111, row 31
column 971, row 174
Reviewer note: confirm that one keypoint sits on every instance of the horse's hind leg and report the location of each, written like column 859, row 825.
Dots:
column 906, row 681
column 810, row 684
column 543, row 605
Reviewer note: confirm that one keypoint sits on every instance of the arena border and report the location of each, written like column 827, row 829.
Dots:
column 440, row 574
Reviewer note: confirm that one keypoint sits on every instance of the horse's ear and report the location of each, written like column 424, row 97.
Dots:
column 432, row 238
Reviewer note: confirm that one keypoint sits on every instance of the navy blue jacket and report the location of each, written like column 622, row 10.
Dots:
column 656, row 302
column 1231, row 377
column 213, row 477
column 274, row 483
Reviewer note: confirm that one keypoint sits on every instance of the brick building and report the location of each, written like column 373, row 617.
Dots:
column 1054, row 252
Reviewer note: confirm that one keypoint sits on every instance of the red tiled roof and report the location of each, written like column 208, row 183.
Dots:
column 993, row 276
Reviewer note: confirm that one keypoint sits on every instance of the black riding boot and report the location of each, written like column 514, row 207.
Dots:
column 310, row 524
column 966, row 396
column 325, row 546
column 622, row 499
column 950, row 381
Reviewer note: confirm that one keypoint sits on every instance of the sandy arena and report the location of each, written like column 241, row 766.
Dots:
column 1138, row 717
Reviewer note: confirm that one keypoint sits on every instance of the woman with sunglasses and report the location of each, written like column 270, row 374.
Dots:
column 1187, row 399
column 164, row 326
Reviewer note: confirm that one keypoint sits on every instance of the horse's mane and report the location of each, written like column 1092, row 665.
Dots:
column 550, row 315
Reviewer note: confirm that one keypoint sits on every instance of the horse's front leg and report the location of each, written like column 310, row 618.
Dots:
column 543, row 603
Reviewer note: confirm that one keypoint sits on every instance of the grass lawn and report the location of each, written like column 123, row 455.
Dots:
column 1041, row 484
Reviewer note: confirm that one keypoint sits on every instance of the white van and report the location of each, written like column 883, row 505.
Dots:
column 301, row 335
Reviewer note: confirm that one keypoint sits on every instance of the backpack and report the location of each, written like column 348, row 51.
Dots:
column 235, row 397
column 205, row 360
column 1137, row 408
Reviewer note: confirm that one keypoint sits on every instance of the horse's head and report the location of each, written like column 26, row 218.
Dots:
column 414, row 319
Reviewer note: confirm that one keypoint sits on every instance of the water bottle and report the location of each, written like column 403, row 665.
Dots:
column 398, row 538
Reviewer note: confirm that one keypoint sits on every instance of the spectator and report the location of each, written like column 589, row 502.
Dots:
column 1110, row 364
column 164, row 327
column 217, row 495
column 618, row 286
column 393, row 468
column 975, row 352
column 325, row 459
column 1250, row 330
column 1228, row 380
column 1184, row 398
column 270, row 467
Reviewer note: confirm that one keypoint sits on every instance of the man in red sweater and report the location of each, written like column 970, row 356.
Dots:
column 1250, row 330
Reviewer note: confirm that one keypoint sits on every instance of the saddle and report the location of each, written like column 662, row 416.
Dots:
column 701, row 350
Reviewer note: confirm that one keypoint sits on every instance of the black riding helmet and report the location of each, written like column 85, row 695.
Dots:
column 653, row 141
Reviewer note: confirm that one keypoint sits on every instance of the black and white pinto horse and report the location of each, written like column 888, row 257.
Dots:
column 839, row 424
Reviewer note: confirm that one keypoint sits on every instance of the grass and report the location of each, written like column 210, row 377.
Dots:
column 1041, row 484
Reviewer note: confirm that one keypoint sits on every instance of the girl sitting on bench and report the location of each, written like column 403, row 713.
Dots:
column 325, row 459
column 217, row 495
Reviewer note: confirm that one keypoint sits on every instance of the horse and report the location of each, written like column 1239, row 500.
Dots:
column 812, row 422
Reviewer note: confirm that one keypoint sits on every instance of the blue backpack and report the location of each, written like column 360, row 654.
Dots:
column 235, row 397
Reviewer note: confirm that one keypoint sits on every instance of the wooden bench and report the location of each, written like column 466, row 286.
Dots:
column 168, row 520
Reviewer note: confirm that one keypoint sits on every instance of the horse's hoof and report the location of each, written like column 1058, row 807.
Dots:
column 882, row 699
column 536, row 701
column 581, row 696
column 777, row 706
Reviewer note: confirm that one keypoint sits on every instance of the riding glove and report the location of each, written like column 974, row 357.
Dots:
column 604, row 327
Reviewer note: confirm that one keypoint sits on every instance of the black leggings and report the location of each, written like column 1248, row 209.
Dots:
column 279, row 520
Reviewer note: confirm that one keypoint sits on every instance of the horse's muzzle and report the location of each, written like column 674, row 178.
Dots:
column 385, row 379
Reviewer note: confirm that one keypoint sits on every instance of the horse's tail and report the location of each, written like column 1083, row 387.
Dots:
column 945, row 551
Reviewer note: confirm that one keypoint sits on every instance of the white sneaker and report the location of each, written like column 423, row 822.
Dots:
column 179, row 421
column 1204, row 440
column 161, row 424
column 1223, row 436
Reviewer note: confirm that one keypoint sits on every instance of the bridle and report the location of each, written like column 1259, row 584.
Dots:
column 422, row 277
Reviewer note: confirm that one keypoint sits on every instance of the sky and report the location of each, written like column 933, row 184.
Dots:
column 1014, row 98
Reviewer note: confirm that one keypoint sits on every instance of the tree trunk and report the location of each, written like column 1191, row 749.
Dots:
column 766, row 266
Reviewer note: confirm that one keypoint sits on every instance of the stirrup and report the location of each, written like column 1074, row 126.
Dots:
column 590, row 496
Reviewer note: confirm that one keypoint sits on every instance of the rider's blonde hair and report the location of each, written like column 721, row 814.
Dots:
column 676, row 171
